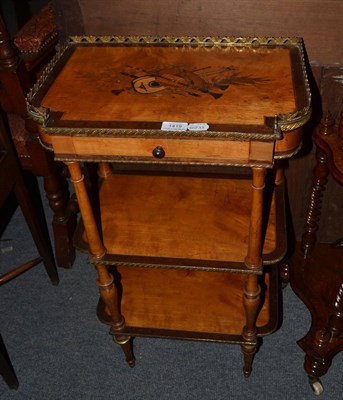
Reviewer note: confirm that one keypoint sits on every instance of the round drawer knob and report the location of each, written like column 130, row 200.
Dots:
column 158, row 152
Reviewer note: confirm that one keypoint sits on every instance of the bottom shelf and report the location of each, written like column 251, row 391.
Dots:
column 196, row 305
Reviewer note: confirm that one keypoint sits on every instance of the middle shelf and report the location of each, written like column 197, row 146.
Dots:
column 192, row 222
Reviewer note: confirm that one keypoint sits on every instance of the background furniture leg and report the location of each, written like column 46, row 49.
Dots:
column 6, row 368
column 319, row 180
column 43, row 245
column 318, row 359
column 64, row 219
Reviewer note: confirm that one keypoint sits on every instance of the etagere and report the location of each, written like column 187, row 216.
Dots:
column 187, row 224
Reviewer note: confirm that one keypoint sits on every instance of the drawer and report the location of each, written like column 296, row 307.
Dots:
column 216, row 151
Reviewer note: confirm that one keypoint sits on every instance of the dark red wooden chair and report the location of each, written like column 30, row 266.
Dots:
column 21, row 62
column 12, row 180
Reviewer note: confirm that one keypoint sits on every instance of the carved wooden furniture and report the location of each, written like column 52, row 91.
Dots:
column 317, row 274
column 187, row 228
column 11, row 179
column 36, row 40
column 19, row 67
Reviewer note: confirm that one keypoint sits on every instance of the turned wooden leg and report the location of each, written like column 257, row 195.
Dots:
column 64, row 219
column 104, row 169
column 125, row 343
column 251, row 302
column 109, row 296
column 319, row 180
column 57, row 193
column 253, row 261
column 107, row 288
column 249, row 352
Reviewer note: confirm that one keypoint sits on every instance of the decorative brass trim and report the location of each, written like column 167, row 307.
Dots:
column 125, row 340
column 152, row 133
column 116, row 159
column 38, row 114
column 179, row 267
column 286, row 122
column 41, row 114
column 293, row 121
column 46, row 146
column 288, row 154
column 198, row 41
column 274, row 260
column 203, row 337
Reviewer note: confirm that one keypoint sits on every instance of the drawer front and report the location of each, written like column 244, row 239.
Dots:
column 215, row 151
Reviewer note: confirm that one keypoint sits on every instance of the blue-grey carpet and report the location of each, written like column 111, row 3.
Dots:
column 60, row 350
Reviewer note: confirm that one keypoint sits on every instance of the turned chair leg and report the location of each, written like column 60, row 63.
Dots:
column 315, row 368
column 64, row 219
column 318, row 366
column 319, row 181
column 38, row 234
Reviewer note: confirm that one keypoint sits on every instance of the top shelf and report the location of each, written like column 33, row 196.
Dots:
column 130, row 86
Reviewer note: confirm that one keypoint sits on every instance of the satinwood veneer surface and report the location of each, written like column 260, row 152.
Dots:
column 153, row 84
column 194, row 303
column 228, row 102
column 183, row 218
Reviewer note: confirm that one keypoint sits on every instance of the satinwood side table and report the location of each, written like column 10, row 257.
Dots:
column 317, row 269
column 187, row 224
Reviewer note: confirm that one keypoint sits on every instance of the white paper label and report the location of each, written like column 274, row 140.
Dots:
column 174, row 126
column 183, row 126
column 198, row 126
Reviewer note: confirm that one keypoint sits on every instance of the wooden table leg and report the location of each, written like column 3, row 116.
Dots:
column 252, row 290
column 107, row 288
column 104, row 169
